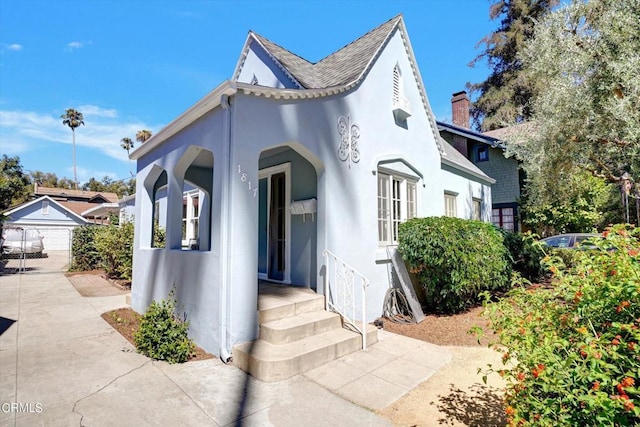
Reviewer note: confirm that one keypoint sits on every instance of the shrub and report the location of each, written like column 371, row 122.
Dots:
column 573, row 351
column 115, row 245
column 162, row 335
column 454, row 260
column 526, row 254
column 85, row 253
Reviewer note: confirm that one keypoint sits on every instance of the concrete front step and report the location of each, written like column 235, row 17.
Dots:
column 271, row 362
column 296, row 334
column 300, row 326
column 281, row 304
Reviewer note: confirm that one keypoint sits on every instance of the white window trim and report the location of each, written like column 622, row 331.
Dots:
column 45, row 207
column 266, row 173
column 391, row 221
column 451, row 196
column 190, row 217
column 476, row 202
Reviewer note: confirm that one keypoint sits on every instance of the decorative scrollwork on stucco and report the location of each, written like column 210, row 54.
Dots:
column 348, row 150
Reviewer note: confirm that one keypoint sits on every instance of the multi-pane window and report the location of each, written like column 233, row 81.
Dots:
column 504, row 218
column 190, row 217
column 397, row 202
column 450, row 206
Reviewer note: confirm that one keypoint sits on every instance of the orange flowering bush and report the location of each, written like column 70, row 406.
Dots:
column 571, row 350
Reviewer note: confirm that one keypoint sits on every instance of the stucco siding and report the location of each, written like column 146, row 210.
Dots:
column 259, row 65
column 466, row 190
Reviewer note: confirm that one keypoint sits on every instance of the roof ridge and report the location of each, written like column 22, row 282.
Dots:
column 259, row 36
column 397, row 18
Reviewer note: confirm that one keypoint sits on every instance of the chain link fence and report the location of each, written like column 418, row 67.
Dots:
column 35, row 249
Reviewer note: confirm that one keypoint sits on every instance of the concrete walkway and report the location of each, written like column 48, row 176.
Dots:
column 62, row 364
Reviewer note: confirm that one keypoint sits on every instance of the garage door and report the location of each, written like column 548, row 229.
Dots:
column 56, row 239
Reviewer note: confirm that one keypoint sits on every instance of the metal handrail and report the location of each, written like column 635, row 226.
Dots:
column 344, row 280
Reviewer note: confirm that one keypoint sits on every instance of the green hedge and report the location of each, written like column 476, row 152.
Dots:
column 83, row 248
column 109, row 247
column 526, row 254
column 454, row 260
column 115, row 245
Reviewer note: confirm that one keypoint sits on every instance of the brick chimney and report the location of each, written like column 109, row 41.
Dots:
column 460, row 109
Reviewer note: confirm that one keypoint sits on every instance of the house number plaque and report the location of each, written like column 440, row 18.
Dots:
column 245, row 178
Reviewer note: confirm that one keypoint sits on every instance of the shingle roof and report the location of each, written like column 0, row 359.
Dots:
column 512, row 133
column 458, row 160
column 341, row 67
column 468, row 133
column 65, row 193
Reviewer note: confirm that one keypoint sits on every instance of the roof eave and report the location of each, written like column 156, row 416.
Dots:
column 106, row 207
column 489, row 140
column 193, row 113
column 481, row 176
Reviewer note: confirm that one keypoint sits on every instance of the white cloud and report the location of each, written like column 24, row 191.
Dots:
column 28, row 130
column 76, row 45
column 15, row 46
column 94, row 110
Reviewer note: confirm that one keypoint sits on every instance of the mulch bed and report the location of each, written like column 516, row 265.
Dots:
column 445, row 329
column 126, row 322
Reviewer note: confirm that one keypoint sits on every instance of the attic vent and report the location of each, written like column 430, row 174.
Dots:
column 400, row 103
column 254, row 80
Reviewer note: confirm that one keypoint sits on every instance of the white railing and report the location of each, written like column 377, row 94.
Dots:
column 340, row 281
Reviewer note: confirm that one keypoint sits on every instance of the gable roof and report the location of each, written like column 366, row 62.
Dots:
column 457, row 160
column 65, row 193
column 71, row 207
column 339, row 72
column 346, row 65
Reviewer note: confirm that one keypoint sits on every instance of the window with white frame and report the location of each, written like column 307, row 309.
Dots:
column 45, row 207
column 397, row 202
column 477, row 209
column 190, row 217
column 450, row 205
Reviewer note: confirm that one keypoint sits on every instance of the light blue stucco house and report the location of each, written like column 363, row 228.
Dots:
column 291, row 158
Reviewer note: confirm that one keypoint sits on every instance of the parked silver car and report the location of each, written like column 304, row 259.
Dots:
column 18, row 241
column 569, row 240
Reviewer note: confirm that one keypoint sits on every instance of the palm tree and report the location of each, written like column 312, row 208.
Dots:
column 127, row 144
column 143, row 135
column 73, row 119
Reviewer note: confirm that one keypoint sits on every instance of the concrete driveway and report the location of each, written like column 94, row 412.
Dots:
column 62, row 364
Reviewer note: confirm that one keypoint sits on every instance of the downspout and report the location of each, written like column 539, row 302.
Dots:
column 223, row 321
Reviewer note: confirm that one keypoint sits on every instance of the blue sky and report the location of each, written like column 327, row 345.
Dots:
column 130, row 65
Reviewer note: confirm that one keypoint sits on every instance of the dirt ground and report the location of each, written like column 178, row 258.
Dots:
column 445, row 330
column 126, row 321
column 456, row 394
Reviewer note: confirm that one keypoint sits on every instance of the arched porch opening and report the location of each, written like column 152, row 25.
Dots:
column 288, row 215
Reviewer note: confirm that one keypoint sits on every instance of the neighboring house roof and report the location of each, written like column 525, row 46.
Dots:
column 65, row 193
column 457, row 160
column 470, row 134
column 513, row 133
column 71, row 207
column 101, row 211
